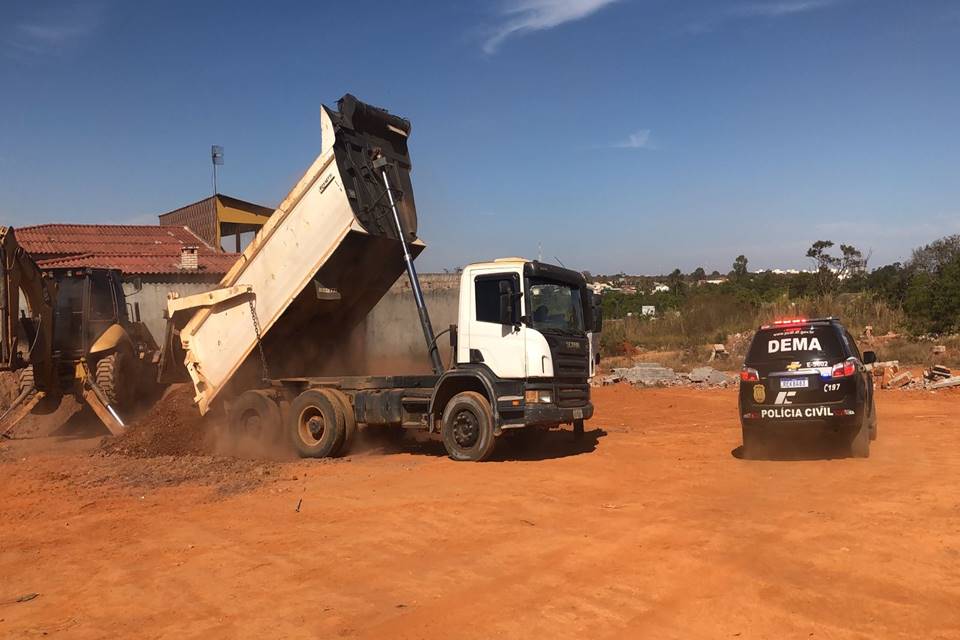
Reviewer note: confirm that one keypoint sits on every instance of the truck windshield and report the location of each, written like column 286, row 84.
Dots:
column 554, row 305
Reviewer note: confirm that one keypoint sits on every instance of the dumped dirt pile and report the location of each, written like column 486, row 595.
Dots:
column 173, row 427
column 8, row 388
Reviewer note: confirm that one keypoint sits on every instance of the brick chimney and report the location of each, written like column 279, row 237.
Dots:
column 188, row 258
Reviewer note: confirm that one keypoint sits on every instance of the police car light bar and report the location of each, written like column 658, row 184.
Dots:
column 780, row 323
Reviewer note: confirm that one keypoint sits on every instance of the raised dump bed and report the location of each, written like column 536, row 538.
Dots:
column 324, row 259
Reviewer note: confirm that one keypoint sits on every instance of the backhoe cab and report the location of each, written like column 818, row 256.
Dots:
column 92, row 327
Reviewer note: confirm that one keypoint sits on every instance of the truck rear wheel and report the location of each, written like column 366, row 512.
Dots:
column 255, row 414
column 315, row 425
column 467, row 427
column 339, row 410
column 349, row 418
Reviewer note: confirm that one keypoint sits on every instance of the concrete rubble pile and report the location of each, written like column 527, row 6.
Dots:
column 652, row 374
column 936, row 377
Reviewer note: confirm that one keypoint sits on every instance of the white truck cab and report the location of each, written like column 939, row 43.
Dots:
column 523, row 324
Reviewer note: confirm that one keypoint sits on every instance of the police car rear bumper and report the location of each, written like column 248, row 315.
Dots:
column 835, row 417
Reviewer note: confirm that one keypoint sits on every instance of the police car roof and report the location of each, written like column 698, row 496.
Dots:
column 797, row 322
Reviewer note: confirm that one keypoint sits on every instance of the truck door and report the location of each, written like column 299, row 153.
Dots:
column 497, row 341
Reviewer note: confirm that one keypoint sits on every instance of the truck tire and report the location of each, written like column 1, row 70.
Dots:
column 860, row 444
column 26, row 382
column 349, row 419
column 255, row 414
column 577, row 429
column 315, row 425
column 467, row 427
column 338, row 410
column 112, row 378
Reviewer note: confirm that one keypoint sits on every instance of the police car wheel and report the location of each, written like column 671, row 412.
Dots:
column 860, row 445
column 873, row 422
column 754, row 444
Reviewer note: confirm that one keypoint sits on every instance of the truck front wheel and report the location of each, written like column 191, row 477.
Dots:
column 315, row 425
column 467, row 427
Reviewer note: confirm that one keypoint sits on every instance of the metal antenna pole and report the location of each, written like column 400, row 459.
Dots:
column 414, row 280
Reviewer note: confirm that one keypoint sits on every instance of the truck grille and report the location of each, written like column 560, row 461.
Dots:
column 571, row 357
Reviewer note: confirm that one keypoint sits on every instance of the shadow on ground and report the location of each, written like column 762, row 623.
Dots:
column 787, row 450
column 519, row 445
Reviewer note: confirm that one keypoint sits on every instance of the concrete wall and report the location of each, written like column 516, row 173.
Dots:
column 152, row 299
column 391, row 335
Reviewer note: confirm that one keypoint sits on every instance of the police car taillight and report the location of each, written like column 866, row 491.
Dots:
column 749, row 375
column 845, row 369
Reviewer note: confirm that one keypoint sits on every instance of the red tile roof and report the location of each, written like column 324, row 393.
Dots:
column 133, row 249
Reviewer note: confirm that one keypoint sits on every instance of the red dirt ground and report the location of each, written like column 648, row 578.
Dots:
column 651, row 528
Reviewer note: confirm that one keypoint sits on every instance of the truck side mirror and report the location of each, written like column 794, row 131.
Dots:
column 507, row 297
column 869, row 357
column 596, row 313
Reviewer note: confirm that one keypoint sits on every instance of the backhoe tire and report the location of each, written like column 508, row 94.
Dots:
column 467, row 427
column 114, row 380
column 315, row 425
column 25, row 382
column 254, row 414
column 47, row 405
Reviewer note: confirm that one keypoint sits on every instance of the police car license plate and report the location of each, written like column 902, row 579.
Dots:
column 794, row 383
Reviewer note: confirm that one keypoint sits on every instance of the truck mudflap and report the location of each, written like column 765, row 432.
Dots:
column 325, row 258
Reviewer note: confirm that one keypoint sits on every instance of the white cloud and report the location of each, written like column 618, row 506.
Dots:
column 709, row 21
column 783, row 7
column 524, row 16
column 638, row 140
column 54, row 31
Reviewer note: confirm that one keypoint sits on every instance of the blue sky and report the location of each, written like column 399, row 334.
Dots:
column 624, row 135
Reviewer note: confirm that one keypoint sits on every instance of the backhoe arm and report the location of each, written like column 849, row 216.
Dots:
column 19, row 274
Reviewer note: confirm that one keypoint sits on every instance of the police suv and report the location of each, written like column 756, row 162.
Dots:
column 807, row 376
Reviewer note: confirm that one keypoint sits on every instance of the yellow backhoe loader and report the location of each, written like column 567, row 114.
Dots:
column 68, row 332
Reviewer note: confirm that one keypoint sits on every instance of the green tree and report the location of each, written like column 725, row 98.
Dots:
column 740, row 267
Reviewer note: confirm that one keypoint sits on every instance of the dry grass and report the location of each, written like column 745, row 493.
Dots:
column 683, row 338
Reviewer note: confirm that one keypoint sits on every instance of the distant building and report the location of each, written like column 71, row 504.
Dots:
column 659, row 287
column 220, row 220
column 153, row 260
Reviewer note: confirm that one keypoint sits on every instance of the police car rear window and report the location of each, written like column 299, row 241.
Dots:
column 803, row 343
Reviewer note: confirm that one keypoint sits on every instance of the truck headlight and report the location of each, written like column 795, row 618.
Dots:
column 538, row 396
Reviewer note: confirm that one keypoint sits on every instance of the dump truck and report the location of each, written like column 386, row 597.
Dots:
column 69, row 332
column 264, row 344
